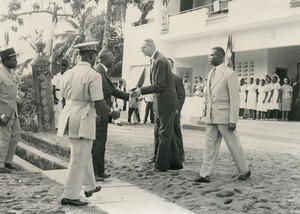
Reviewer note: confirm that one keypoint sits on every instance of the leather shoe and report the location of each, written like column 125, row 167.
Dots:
column 103, row 175
column 9, row 166
column 158, row 170
column 90, row 193
column 201, row 179
column 244, row 176
column 74, row 202
column 99, row 179
column 4, row 170
column 176, row 167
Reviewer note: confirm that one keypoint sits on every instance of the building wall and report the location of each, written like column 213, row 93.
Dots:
column 260, row 58
column 287, row 57
column 261, row 36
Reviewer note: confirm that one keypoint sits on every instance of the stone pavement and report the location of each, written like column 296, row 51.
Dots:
column 115, row 197
column 272, row 148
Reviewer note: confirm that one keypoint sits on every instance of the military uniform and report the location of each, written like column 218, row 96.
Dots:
column 9, row 133
column 80, row 86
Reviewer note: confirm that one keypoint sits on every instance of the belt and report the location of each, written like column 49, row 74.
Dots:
column 87, row 106
column 79, row 103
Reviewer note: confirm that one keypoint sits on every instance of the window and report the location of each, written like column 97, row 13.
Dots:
column 245, row 70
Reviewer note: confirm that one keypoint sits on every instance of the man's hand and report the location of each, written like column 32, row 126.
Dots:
column 115, row 114
column 232, row 126
column 56, row 101
column 136, row 93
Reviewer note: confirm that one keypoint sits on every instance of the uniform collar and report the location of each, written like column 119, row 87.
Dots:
column 83, row 63
column 7, row 71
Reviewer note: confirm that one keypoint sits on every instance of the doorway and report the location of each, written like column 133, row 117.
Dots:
column 281, row 73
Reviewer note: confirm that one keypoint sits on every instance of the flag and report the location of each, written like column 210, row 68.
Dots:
column 166, row 12
column 229, row 56
column 165, row 3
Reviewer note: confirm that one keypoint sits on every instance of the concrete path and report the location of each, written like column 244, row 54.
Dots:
column 115, row 197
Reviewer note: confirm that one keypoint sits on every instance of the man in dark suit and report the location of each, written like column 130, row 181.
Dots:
column 165, row 102
column 177, row 135
column 223, row 101
column 106, row 58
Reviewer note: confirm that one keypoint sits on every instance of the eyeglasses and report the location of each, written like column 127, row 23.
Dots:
column 144, row 47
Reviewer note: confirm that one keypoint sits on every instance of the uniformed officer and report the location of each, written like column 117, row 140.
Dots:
column 10, row 131
column 81, row 87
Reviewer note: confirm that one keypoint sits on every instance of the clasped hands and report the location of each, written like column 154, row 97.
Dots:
column 136, row 93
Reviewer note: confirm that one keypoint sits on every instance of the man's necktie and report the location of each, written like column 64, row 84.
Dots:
column 212, row 76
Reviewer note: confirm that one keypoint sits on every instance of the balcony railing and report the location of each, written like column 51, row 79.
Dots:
column 295, row 3
column 217, row 7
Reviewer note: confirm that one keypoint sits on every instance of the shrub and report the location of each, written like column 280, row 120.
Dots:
column 26, row 105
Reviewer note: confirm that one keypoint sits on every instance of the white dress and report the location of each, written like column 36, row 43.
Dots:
column 270, row 87
column 251, row 100
column 262, row 90
column 243, row 96
column 275, row 95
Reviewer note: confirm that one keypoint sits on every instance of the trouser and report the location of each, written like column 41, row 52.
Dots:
column 9, row 138
column 163, row 130
column 80, row 170
column 99, row 146
column 177, row 135
column 57, row 110
column 214, row 134
column 149, row 108
column 136, row 112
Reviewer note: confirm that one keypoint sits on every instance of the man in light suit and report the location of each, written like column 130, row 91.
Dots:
column 109, row 89
column 164, row 102
column 221, row 118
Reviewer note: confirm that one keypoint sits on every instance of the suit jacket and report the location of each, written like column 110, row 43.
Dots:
column 109, row 89
column 223, row 97
column 162, row 85
column 178, row 82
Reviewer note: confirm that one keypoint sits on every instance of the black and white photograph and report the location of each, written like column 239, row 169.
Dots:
column 150, row 106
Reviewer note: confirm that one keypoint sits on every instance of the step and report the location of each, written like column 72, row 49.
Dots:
column 38, row 158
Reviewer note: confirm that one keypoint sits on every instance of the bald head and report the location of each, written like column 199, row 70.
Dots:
column 106, row 57
column 148, row 47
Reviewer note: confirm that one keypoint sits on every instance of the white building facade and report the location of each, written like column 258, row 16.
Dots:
column 265, row 36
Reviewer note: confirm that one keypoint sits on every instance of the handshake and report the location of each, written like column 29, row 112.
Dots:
column 136, row 93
